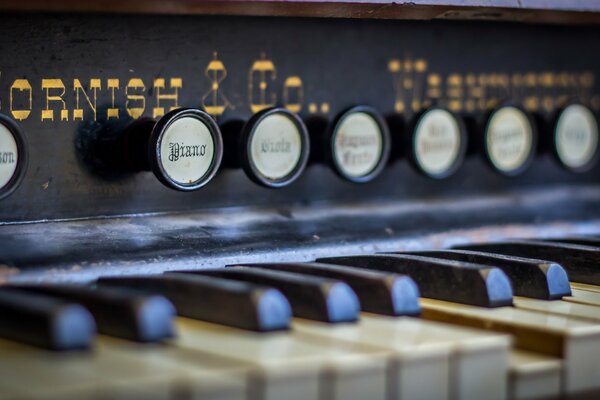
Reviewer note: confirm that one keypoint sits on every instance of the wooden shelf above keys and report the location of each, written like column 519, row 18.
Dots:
column 79, row 250
column 531, row 11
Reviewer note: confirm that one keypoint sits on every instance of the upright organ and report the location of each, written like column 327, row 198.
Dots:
column 301, row 200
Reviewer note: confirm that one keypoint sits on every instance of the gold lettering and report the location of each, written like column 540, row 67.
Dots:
column 586, row 85
column 135, row 85
column 587, row 79
column 394, row 65
column 293, row 93
column 433, row 86
column 420, row 65
column 159, row 83
column 214, row 101
column 531, row 103
column 420, row 68
column 54, row 84
column 473, row 92
column 395, row 68
column 20, row 86
column 260, row 73
column 112, row 111
column 454, row 92
column 78, row 88
column 411, row 84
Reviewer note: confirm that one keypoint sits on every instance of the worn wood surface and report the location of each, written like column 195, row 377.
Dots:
column 340, row 63
column 546, row 11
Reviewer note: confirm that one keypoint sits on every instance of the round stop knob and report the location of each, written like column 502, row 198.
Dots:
column 185, row 149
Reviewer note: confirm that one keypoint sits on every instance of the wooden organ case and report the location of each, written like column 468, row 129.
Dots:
column 299, row 200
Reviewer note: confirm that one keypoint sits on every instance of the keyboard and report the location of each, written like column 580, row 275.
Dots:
column 494, row 320
column 463, row 313
column 299, row 200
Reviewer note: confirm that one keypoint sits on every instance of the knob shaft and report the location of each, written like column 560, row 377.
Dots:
column 183, row 149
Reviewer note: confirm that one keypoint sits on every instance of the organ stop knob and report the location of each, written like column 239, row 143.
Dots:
column 13, row 156
column 576, row 138
column 438, row 143
column 273, row 147
column 183, row 148
column 510, row 140
column 358, row 145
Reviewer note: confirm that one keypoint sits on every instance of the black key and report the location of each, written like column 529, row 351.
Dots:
column 119, row 312
column 319, row 299
column 221, row 301
column 441, row 279
column 583, row 241
column 379, row 292
column 44, row 321
column 582, row 263
column 539, row 279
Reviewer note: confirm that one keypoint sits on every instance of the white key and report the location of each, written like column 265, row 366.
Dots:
column 576, row 341
column 235, row 374
column 566, row 308
column 108, row 371
column 288, row 366
column 534, row 376
column 459, row 363
column 584, row 296
column 585, row 286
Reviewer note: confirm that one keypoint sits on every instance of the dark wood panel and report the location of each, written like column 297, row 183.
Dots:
column 341, row 63
column 85, row 249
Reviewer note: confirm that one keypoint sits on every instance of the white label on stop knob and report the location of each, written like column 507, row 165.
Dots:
column 9, row 156
column 509, row 139
column 357, row 144
column 576, row 137
column 437, row 142
column 275, row 146
column 187, row 149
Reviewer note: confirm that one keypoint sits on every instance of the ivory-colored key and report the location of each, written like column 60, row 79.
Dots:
column 289, row 366
column 585, row 286
column 584, row 297
column 459, row 363
column 112, row 371
column 534, row 376
column 576, row 341
column 236, row 374
column 6, row 392
column 566, row 308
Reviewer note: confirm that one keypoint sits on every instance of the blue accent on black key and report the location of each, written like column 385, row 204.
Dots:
column 222, row 301
column 119, row 312
column 581, row 262
column 311, row 297
column 379, row 292
column 45, row 321
column 441, row 279
column 538, row 279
